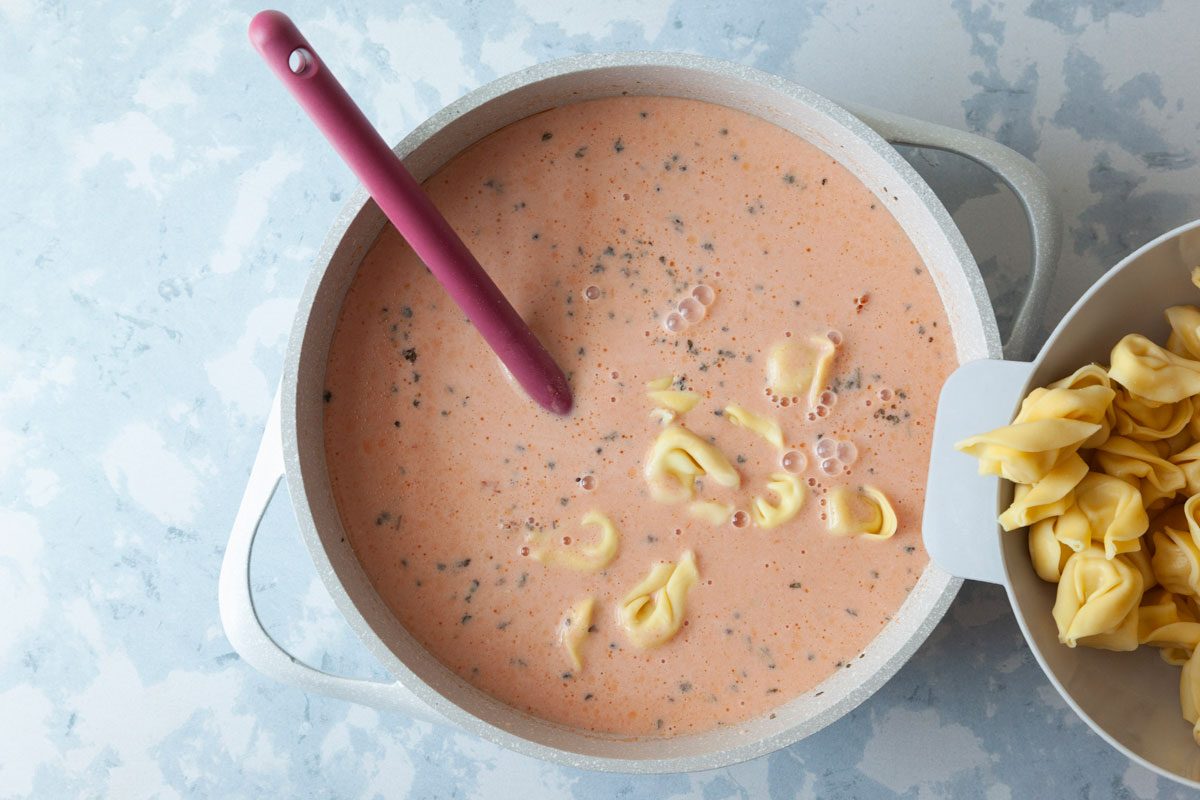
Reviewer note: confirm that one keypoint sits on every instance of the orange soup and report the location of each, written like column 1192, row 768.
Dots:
column 647, row 241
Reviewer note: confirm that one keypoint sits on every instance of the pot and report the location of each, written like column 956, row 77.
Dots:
column 1130, row 699
column 293, row 443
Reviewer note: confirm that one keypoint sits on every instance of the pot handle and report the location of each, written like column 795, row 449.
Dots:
column 1028, row 183
column 235, row 598
column 959, row 526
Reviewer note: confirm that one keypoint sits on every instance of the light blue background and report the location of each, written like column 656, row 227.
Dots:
column 163, row 199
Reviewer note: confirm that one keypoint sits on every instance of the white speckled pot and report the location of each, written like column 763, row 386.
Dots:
column 1130, row 699
column 293, row 444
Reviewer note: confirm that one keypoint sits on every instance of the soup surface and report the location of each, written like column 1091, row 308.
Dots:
column 597, row 219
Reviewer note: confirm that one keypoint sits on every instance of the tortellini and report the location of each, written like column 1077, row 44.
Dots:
column 1148, row 421
column 1185, row 331
column 765, row 427
column 653, row 610
column 1052, row 424
column 1167, row 622
column 1189, row 694
column 1141, row 560
column 1152, row 372
column 675, row 401
column 1025, row 452
column 1097, row 601
column 1105, row 509
column 1188, row 461
column 1091, row 375
column 791, row 497
column 576, row 628
column 711, row 511
column 1176, row 561
column 1047, row 553
column 678, row 458
column 1136, row 464
column 1049, row 497
column 589, row 558
column 865, row 512
column 801, row 367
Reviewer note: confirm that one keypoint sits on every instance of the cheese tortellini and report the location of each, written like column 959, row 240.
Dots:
column 711, row 511
column 1097, row 601
column 791, row 495
column 1176, row 561
column 865, row 512
column 1104, row 509
column 1136, row 464
column 1188, row 461
column 1148, row 421
column 765, row 427
column 1189, row 694
column 1166, row 621
column 801, row 367
column 652, row 612
column 1052, row 424
column 1185, row 331
column 1153, row 372
column 1049, row 497
column 1091, row 375
column 589, row 558
column 675, row 401
column 678, row 458
column 1048, row 554
column 576, row 628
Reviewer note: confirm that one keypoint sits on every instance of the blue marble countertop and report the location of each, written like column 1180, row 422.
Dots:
column 163, row 201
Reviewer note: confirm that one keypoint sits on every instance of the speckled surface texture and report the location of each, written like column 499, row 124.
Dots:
column 164, row 201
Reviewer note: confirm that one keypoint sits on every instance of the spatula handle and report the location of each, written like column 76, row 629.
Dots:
column 301, row 70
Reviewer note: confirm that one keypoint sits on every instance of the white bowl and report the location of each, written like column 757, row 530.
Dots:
column 1130, row 699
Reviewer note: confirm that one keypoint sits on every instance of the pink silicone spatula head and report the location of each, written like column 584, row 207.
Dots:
column 297, row 65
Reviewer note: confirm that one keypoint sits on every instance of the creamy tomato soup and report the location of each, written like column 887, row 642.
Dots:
column 597, row 220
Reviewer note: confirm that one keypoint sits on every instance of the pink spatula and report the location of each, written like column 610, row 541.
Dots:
column 398, row 194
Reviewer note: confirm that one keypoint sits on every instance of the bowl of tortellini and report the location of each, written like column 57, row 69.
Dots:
column 1074, row 481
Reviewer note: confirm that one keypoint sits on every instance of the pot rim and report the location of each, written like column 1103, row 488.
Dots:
column 949, row 237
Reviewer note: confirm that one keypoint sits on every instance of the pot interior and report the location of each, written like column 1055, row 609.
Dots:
column 1132, row 697
column 427, row 149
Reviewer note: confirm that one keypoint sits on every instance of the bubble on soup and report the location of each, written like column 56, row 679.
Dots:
column 704, row 294
column 740, row 519
column 826, row 448
column 830, row 466
column 691, row 310
column 587, row 483
column 885, row 394
column 793, row 461
column 828, row 398
column 591, row 293
column 674, row 322
column 847, row 453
